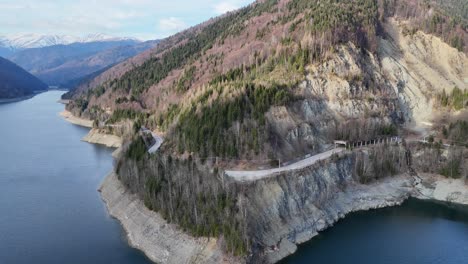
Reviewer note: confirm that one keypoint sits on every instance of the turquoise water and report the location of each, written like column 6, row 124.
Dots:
column 50, row 210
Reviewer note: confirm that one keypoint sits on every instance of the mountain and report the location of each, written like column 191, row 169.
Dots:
column 279, row 81
column 16, row 82
column 58, row 59
column 61, row 63
column 27, row 41
column 81, row 66
column 5, row 52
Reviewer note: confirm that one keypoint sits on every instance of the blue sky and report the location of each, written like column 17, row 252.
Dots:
column 143, row 19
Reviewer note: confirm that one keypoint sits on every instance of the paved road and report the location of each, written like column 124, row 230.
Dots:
column 157, row 143
column 260, row 174
column 157, row 140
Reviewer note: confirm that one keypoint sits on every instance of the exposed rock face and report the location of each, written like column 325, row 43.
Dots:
column 282, row 211
column 148, row 231
column 291, row 208
column 418, row 67
column 399, row 84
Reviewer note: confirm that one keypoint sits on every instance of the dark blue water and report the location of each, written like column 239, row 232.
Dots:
column 50, row 211
column 417, row 232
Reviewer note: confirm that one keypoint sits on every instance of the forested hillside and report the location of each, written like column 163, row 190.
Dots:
column 243, row 63
column 16, row 82
column 273, row 81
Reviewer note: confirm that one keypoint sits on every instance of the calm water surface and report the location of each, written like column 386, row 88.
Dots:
column 417, row 232
column 50, row 211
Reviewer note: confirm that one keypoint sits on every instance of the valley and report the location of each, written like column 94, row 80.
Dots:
column 233, row 106
column 248, row 137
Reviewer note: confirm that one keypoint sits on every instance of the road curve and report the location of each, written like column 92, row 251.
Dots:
column 157, row 143
column 260, row 174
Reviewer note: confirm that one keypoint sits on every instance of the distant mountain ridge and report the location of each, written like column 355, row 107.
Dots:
column 16, row 82
column 27, row 41
column 82, row 66
column 59, row 64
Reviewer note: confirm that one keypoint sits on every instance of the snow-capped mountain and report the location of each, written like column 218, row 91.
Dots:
column 25, row 41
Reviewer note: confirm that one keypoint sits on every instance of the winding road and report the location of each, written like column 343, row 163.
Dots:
column 157, row 140
column 260, row 174
column 157, row 143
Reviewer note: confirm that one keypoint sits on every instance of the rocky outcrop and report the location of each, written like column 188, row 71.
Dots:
column 419, row 66
column 439, row 188
column 148, row 231
column 291, row 208
column 96, row 137
column 398, row 84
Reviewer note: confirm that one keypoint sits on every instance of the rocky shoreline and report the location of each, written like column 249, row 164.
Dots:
column 149, row 232
column 94, row 136
column 165, row 243
column 441, row 189
column 385, row 193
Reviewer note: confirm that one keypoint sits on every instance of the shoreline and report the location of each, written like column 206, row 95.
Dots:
column 148, row 232
column 17, row 99
column 388, row 192
column 68, row 116
column 163, row 242
column 22, row 98
column 94, row 136
column 108, row 140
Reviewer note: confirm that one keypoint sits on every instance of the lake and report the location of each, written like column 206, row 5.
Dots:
column 417, row 232
column 51, row 211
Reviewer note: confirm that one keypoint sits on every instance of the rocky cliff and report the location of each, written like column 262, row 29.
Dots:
column 281, row 212
column 291, row 208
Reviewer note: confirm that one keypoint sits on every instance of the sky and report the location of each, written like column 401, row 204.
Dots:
column 142, row 19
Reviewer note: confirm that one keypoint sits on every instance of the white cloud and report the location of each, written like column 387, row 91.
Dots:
column 172, row 24
column 113, row 17
column 225, row 7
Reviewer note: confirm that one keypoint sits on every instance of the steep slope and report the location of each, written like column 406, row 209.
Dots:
column 306, row 73
column 273, row 82
column 419, row 67
column 16, row 82
column 41, row 60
